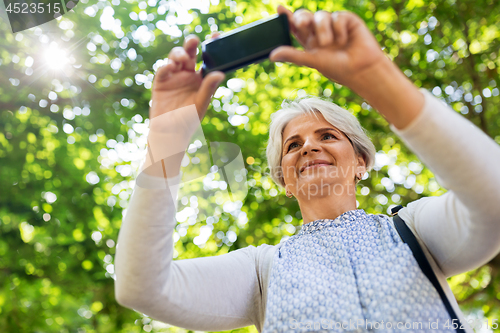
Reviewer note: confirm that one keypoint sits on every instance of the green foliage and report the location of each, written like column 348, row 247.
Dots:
column 71, row 139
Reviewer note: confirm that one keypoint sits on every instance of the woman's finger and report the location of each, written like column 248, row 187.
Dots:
column 323, row 27
column 173, row 66
column 282, row 10
column 191, row 45
column 339, row 23
column 304, row 23
column 208, row 87
column 179, row 55
column 164, row 72
column 293, row 55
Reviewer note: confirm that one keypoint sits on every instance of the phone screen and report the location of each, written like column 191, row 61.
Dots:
column 248, row 44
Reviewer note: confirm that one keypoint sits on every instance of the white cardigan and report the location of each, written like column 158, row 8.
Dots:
column 458, row 231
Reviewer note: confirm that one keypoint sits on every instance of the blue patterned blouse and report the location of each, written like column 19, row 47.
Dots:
column 352, row 274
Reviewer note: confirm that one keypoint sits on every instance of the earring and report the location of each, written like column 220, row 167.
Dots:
column 289, row 194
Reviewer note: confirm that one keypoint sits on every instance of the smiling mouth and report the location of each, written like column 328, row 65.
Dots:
column 314, row 166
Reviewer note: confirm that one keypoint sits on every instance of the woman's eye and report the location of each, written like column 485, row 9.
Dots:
column 291, row 145
column 329, row 134
column 324, row 136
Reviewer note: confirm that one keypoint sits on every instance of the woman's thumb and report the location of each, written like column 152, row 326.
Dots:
column 291, row 54
column 208, row 87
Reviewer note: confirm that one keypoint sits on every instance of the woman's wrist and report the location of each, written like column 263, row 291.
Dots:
column 387, row 89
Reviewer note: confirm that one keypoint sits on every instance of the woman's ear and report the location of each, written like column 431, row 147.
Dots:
column 361, row 165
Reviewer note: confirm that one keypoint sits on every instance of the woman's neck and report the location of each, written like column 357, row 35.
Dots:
column 326, row 204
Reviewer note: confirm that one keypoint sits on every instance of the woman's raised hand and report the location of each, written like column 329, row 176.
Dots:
column 180, row 98
column 339, row 45
column 177, row 84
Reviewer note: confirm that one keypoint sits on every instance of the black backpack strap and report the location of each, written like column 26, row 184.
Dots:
column 409, row 238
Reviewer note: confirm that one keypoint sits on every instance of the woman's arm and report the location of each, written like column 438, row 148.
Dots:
column 461, row 228
column 214, row 293
column 210, row 294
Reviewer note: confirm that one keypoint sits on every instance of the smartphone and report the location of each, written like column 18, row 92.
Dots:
column 245, row 45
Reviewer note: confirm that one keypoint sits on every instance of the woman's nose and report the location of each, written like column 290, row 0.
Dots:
column 310, row 146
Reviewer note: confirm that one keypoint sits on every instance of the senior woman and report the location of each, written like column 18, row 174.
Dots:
column 345, row 269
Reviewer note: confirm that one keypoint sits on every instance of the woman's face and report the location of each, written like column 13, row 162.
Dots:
column 307, row 139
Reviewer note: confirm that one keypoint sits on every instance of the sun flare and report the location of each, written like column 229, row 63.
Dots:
column 55, row 57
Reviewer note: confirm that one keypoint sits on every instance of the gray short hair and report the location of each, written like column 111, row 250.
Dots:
column 334, row 114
